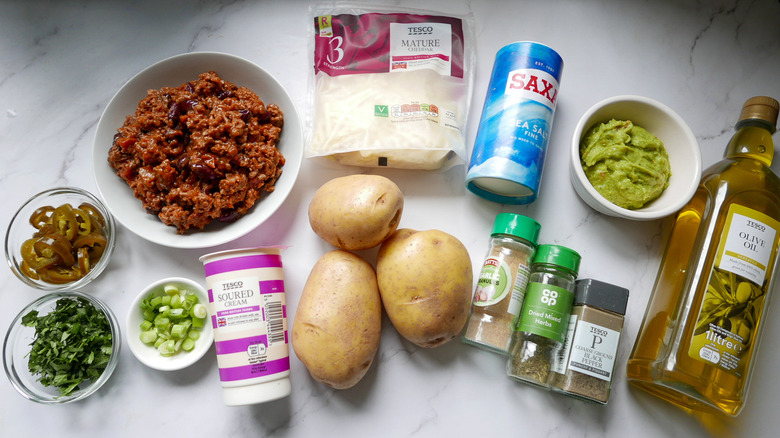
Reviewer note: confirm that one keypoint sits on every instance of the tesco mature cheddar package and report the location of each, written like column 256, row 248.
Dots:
column 390, row 89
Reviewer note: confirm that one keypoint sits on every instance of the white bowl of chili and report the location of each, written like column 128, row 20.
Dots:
column 44, row 335
column 178, row 71
column 61, row 238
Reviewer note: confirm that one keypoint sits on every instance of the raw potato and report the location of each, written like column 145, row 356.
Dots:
column 356, row 212
column 338, row 322
column 425, row 281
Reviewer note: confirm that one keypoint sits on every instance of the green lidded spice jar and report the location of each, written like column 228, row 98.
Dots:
column 586, row 366
column 540, row 328
column 502, row 282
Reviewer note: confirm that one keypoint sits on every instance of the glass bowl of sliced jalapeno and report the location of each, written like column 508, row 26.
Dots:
column 61, row 238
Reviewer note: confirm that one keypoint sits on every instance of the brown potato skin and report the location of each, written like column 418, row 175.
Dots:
column 337, row 325
column 425, row 280
column 356, row 212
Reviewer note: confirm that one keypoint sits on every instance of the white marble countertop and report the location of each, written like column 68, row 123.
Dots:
column 61, row 61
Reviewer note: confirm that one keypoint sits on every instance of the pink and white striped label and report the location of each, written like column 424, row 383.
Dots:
column 249, row 314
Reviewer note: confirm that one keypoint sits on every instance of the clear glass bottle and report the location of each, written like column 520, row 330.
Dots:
column 586, row 365
column 703, row 322
column 540, row 329
column 502, row 282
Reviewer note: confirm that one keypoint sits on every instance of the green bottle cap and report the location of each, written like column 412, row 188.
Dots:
column 558, row 255
column 517, row 225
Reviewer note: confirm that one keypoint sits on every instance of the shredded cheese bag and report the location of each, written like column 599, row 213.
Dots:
column 390, row 89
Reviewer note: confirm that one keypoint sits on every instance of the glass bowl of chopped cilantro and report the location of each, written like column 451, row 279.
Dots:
column 62, row 347
column 60, row 239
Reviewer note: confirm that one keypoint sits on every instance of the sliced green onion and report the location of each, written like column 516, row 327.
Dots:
column 179, row 331
column 177, row 314
column 199, row 311
column 167, row 348
column 148, row 337
column 173, row 318
column 155, row 302
column 188, row 344
column 189, row 301
column 198, row 322
column 149, row 315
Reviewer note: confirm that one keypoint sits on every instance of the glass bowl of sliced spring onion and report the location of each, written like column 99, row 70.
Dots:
column 66, row 327
column 168, row 325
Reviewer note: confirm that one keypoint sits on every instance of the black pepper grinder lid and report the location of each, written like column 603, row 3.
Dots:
column 600, row 294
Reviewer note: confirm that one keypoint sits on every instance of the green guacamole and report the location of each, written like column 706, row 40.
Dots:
column 625, row 163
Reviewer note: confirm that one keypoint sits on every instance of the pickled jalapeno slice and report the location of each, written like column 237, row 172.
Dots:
column 55, row 245
column 32, row 259
column 94, row 243
column 59, row 275
column 83, row 222
column 41, row 216
column 64, row 221
column 93, row 212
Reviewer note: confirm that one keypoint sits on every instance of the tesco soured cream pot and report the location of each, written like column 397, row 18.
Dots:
column 249, row 314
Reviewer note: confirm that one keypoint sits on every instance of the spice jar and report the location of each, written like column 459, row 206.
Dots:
column 502, row 282
column 587, row 363
column 540, row 329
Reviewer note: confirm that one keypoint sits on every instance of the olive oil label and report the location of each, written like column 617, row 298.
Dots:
column 731, row 309
column 593, row 350
column 495, row 282
column 750, row 239
column 546, row 311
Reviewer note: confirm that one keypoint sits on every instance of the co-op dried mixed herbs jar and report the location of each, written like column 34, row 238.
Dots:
column 541, row 327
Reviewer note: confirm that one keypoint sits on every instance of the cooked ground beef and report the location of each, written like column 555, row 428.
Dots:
column 200, row 152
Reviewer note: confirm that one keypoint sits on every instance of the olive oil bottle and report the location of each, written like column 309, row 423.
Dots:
column 697, row 343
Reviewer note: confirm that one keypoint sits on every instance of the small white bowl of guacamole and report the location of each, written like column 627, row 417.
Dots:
column 635, row 158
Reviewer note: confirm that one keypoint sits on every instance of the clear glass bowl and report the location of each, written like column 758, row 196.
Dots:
column 20, row 229
column 18, row 342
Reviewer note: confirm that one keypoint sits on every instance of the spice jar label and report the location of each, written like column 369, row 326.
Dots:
column 559, row 366
column 495, row 282
column 546, row 311
column 518, row 291
column 593, row 350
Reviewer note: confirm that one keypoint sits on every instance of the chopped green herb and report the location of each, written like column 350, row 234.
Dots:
column 72, row 344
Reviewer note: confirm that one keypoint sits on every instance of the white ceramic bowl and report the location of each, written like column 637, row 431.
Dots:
column 17, row 346
column 148, row 355
column 173, row 72
column 664, row 123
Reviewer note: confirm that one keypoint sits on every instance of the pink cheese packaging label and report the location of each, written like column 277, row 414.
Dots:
column 385, row 43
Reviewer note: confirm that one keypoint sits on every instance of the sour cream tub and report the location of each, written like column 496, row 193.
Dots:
column 514, row 129
column 249, row 314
